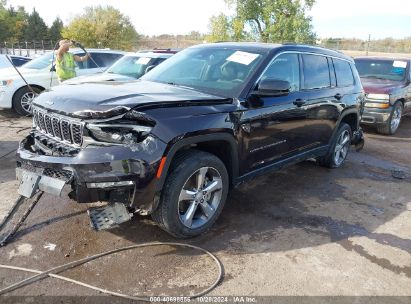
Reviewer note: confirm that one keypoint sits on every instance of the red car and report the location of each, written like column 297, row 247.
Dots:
column 387, row 84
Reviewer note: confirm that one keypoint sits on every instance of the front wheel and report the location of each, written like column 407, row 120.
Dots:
column 339, row 148
column 193, row 195
column 394, row 122
column 23, row 99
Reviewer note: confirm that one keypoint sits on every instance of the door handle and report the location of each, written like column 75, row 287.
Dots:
column 338, row 96
column 299, row 102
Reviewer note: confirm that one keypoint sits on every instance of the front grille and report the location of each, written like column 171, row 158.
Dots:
column 62, row 129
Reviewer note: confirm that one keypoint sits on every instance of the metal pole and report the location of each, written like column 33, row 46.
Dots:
column 368, row 44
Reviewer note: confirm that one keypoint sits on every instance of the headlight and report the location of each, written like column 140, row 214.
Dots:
column 6, row 83
column 382, row 97
column 118, row 133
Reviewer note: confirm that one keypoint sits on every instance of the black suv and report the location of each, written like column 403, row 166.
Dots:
column 172, row 143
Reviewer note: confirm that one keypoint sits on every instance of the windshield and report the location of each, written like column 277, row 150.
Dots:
column 220, row 71
column 132, row 66
column 382, row 69
column 39, row 63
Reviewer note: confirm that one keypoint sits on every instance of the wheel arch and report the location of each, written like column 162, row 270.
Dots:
column 350, row 117
column 222, row 145
column 31, row 85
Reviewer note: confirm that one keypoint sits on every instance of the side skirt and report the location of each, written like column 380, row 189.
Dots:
column 320, row 151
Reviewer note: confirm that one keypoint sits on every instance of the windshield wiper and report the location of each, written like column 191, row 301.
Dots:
column 180, row 85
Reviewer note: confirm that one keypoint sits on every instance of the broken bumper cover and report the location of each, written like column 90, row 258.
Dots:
column 358, row 139
column 98, row 172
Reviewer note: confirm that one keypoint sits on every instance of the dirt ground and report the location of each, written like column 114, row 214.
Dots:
column 305, row 230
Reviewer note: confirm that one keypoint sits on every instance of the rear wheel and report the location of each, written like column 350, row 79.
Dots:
column 193, row 195
column 339, row 148
column 23, row 99
column 394, row 122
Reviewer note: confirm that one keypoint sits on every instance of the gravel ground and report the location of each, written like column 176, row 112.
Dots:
column 305, row 230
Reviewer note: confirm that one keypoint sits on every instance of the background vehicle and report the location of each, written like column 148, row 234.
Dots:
column 17, row 61
column 387, row 84
column 172, row 143
column 15, row 94
column 130, row 67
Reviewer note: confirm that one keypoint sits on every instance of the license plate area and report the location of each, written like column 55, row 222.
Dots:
column 30, row 182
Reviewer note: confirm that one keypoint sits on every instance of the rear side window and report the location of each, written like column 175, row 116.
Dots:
column 316, row 72
column 343, row 72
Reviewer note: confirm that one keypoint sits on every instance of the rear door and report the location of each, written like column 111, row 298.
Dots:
column 322, row 99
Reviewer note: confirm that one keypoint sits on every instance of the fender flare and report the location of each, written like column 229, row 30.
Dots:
column 176, row 147
column 338, row 123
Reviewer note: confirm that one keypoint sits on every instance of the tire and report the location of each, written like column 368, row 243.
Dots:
column 341, row 145
column 394, row 122
column 180, row 197
column 22, row 100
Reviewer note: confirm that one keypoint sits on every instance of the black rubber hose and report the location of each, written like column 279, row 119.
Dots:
column 53, row 271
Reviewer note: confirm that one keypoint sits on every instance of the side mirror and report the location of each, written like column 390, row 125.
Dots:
column 149, row 68
column 272, row 87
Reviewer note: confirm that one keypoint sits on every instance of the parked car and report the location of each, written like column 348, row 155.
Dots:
column 14, row 92
column 17, row 60
column 128, row 68
column 387, row 84
column 172, row 143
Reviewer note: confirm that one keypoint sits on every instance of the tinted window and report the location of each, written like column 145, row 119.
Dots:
column 101, row 60
column 285, row 67
column 316, row 73
column 343, row 72
column 19, row 61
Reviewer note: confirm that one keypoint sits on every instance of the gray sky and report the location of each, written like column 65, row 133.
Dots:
column 331, row 18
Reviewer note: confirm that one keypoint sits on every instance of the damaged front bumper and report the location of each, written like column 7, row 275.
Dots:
column 113, row 173
column 358, row 139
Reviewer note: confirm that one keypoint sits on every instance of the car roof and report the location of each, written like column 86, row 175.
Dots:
column 382, row 58
column 77, row 50
column 149, row 54
column 270, row 47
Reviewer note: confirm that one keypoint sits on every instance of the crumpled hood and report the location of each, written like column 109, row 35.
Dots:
column 380, row 86
column 98, row 78
column 79, row 99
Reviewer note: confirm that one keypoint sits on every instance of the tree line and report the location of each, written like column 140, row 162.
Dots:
column 277, row 21
column 16, row 24
column 96, row 27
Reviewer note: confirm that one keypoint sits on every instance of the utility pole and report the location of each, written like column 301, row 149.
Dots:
column 368, row 44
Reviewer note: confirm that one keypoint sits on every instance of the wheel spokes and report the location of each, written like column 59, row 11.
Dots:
column 207, row 209
column 186, row 195
column 201, row 176
column 188, row 216
column 215, row 185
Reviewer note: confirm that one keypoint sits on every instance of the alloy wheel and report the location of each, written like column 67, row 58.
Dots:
column 26, row 101
column 396, row 119
column 200, row 197
column 341, row 147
